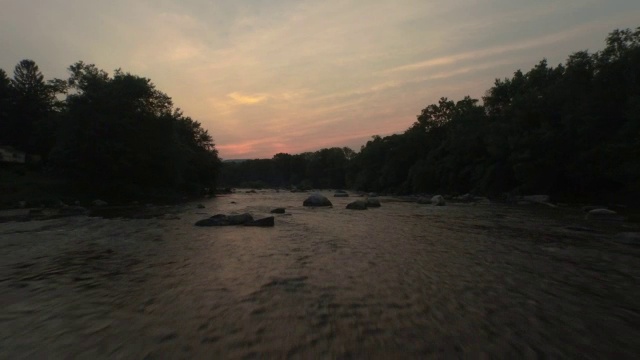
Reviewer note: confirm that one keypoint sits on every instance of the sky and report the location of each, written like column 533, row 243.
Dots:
column 270, row 76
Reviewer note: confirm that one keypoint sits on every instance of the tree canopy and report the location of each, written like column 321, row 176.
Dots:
column 116, row 135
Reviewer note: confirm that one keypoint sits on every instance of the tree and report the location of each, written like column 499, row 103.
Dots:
column 122, row 133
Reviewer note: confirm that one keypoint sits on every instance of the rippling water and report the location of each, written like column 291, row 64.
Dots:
column 403, row 280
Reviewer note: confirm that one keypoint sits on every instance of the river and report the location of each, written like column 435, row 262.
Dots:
column 401, row 281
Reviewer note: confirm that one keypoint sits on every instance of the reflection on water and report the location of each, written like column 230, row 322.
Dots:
column 401, row 280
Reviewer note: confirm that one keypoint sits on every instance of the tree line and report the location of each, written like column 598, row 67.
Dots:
column 107, row 134
column 571, row 131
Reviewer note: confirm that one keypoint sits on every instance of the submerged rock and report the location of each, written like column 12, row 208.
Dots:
column 200, row 206
column 317, row 200
column 278, row 211
column 357, row 205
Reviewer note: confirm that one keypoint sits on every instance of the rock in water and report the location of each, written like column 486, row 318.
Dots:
column 373, row 202
column 357, row 205
column 317, row 200
column 264, row 222
column 224, row 220
column 239, row 219
column 215, row 220
column 438, row 200
column 278, row 211
column 200, row 206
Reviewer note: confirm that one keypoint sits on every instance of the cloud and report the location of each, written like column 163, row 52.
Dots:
column 520, row 45
column 247, row 99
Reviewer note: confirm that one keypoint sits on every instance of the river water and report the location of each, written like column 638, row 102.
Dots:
column 401, row 281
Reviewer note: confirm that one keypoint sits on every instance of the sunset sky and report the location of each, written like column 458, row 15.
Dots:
column 269, row 76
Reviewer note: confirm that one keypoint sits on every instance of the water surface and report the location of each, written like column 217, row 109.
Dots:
column 403, row 280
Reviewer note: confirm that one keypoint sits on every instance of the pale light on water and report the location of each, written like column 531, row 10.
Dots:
column 403, row 280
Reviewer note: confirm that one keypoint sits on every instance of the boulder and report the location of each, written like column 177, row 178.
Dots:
column 264, row 222
column 372, row 194
column 438, row 200
column 278, row 211
column 357, row 205
column 424, row 200
column 373, row 202
column 604, row 215
column 200, row 206
column 317, row 200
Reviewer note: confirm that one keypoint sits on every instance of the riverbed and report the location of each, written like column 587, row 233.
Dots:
column 405, row 280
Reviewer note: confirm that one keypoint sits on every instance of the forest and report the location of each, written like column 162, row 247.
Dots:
column 571, row 131
column 115, row 136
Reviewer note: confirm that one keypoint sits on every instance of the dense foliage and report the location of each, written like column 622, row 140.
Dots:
column 572, row 131
column 115, row 135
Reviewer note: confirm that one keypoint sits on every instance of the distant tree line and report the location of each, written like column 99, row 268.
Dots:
column 571, row 131
column 326, row 168
column 115, row 135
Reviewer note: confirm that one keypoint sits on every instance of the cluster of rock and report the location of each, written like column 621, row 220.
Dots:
column 241, row 219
